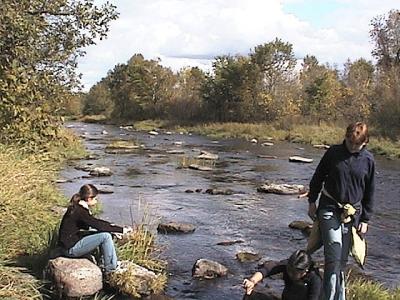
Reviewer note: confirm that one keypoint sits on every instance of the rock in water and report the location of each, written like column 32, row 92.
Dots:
column 300, row 159
column 174, row 227
column 75, row 277
column 282, row 189
column 208, row 269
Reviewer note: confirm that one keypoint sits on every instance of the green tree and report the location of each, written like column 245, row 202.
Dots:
column 186, row 103
column 276, row 61
column 39, row 45
column 98, row 100
column 359, row 80
column 231, row 92
column 385, row 33
column 322, row 91
column 141, row 89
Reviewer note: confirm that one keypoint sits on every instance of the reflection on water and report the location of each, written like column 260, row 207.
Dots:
column 151, row 177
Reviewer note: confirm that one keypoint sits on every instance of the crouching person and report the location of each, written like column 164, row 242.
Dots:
column 302, row 280
column 77, row 219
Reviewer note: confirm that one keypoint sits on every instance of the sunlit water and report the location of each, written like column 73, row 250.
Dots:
column 149, row 183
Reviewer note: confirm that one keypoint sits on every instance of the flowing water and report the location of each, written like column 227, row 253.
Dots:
column 149, row 184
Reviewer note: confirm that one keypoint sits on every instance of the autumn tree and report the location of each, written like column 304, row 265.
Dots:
column 39, row 45
column 98, row 100
column 275, row 60
column 141, row 89
column 322, row 91
column 187, row 101
column 385, row 33
column 358, row 77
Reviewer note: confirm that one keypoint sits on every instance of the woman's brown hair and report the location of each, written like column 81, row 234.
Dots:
column 357, row 133
column 85, row 192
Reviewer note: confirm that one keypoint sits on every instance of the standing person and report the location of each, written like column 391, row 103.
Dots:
column 77, row 218
column 302, row 280
column 345, row 175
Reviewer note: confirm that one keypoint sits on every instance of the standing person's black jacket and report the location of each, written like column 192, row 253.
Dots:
column 79, row 218
column 307, row 288
column 347, row 177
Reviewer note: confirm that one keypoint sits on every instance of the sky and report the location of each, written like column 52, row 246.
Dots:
column 192, row 32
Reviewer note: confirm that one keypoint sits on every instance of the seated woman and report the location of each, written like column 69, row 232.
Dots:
column 302, row 280
column 78, row 217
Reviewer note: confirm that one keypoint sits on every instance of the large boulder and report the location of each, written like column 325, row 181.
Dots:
column 208, row 269
column 75, row 277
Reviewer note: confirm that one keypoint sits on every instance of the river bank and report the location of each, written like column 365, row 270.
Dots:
column 303, row 134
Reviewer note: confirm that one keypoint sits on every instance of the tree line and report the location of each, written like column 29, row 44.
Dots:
column 263, row 86
column 41, row 40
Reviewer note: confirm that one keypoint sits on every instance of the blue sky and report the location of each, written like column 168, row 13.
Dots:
column 314, row 12
column 191, row 32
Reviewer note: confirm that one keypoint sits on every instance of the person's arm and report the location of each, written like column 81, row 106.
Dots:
column 315, row 287
column 265, row 271
column 98, row 224
column 320, row 174
column 368, row 199
column 249, row 284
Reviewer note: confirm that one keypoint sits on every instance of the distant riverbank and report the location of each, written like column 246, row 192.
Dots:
column 307, row 134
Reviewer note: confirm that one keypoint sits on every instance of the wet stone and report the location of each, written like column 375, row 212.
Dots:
column 208, row 269
column 248, row 256
column 282, row 189
column 175, row 228
column 219, row 192
column 300, row 159
column 229, row 243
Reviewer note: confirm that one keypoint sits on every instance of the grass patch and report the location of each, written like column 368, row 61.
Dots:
column 361, row 289
column 309, row 134
column 27, row 195
column 148, row 125
column 15, row 283
column 139, row 248
column 186, row 161
column 93, row 119
column 120, row 144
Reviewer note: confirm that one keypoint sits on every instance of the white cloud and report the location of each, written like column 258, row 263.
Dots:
column 190, row 32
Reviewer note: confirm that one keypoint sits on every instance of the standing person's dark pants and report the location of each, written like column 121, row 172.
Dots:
column 336, row 237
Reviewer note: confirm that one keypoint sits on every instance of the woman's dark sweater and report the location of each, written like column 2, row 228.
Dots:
column 76, row 219
column 307, row 288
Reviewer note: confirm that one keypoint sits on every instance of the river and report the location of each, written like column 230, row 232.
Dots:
column 149, row 185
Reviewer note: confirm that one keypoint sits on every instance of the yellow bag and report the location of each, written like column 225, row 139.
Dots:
column 358, row 247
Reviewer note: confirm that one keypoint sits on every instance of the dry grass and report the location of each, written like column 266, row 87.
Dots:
column 17, row 285
column 139, row 248
column 361, row 289
column 27, row 195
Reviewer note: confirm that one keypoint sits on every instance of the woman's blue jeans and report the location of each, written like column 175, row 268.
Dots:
column 89, row 243
column 336, row 237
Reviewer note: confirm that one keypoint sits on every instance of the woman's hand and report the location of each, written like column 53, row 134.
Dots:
column 362, row 228
column 248, row 285
column 127, row 230
column 312, row 211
